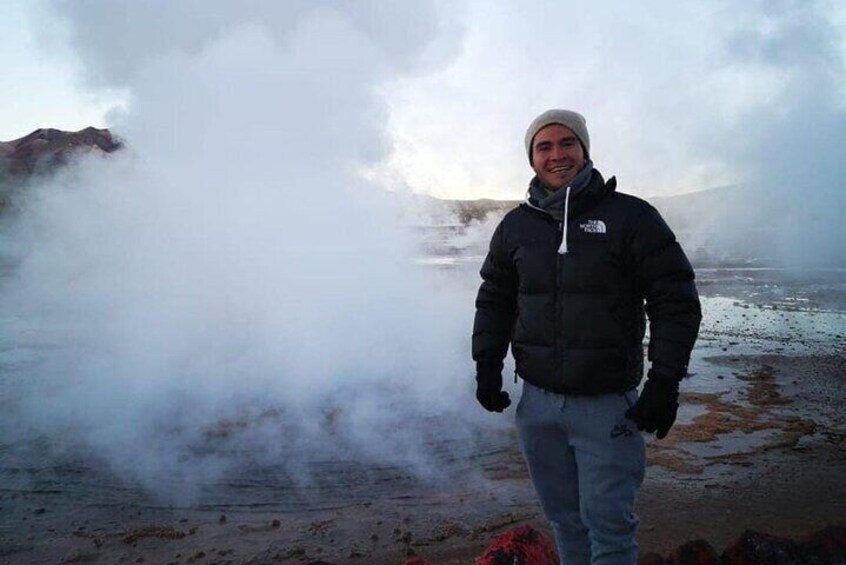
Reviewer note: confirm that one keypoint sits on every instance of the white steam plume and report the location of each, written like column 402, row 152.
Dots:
column 229, row 283
column 792, row 144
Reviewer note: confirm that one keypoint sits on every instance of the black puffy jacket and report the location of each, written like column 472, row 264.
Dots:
column 576, row 321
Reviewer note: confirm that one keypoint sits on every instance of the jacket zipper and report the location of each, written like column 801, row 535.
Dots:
column 557, row 337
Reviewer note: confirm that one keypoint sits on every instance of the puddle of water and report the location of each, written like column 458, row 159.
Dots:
column 731, row 443
column 733, row 318
column 688, row 411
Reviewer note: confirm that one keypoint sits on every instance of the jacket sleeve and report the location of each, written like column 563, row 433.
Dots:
column 666, row 281
column 496, row 305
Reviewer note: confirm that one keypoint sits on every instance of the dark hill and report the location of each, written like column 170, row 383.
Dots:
column 46, row 148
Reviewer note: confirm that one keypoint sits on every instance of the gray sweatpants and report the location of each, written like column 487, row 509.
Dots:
column 586, row 460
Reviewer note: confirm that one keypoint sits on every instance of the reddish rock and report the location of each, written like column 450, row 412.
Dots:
column 827, row 545
column 651, row 558
column 416, row 561
column 523, row 545
column 696, row 552
column 755, row 548
column 45, row 149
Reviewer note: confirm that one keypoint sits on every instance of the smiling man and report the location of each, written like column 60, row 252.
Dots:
column 568, row 281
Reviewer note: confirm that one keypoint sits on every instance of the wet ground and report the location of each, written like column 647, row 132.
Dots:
column 759, row 443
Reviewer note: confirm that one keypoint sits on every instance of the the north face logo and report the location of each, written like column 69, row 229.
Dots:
column 620, row 430
column 593, row 226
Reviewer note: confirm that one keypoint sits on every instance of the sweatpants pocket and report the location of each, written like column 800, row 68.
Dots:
column 631, row 396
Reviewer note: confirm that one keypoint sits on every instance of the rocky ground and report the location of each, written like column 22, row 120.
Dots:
column 711, row 479
column 759, row 444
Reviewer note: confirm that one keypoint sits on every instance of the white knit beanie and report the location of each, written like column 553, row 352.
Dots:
column 573, row 120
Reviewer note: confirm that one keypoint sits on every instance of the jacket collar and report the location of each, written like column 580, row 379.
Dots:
column 595, row 190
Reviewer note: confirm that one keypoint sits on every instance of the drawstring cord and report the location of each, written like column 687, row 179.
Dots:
column 562, row 250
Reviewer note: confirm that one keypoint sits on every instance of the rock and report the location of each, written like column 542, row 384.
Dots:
column 696, row 552
column 416, row 561
column 78, row 556
column 161, row 532
column 756, row 548
column 827, row 545
column 651, row 558
column 523, row 545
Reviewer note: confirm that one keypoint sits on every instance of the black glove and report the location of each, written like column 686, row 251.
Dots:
column 489, row 391
column 655, row 410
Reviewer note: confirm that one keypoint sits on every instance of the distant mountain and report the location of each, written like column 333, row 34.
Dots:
column 44, row 151
column 758, row 225
column 723, row 224
column 45, row 148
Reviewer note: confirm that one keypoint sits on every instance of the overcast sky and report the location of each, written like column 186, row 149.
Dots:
column 679, row 96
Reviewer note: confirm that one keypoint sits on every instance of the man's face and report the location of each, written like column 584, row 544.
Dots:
column 557, row 156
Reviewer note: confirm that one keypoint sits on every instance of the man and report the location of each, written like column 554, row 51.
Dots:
column 565, row 283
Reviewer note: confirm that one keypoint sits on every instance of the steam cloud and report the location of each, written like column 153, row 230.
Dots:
column 229, row 288
column 679, row 97
column 792, row 145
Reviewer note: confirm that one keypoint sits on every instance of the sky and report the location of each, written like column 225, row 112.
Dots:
column 40, row 85
column 668, row 88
